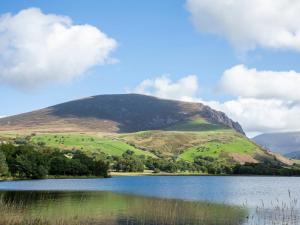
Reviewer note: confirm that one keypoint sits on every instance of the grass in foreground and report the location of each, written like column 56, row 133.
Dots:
column 35, row 208
column 107, row 208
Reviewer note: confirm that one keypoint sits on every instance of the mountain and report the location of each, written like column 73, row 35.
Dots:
column 287, row 143
column 113, row 124
column 293, row 155
column 117, row 113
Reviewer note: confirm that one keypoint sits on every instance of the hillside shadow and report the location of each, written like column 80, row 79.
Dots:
column 132, row 112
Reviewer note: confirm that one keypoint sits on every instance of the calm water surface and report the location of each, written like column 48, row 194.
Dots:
column 252, row 191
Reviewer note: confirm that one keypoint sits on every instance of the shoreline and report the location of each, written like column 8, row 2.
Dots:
column 52, row 177
column 141, row 174
column 133, row 174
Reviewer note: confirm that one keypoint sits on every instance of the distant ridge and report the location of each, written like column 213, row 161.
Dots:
column 286, row 143
column 118, row 113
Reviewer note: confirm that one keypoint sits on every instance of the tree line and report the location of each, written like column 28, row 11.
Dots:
column 34, row 162
column 27, row 160
column 129, row 162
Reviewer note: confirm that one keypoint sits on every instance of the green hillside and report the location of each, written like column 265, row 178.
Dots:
column 89, row 143
column 220, row 144
column 216, row 148
column 185, row 141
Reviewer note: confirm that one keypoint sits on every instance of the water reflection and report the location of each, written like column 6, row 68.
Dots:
column 229, row 190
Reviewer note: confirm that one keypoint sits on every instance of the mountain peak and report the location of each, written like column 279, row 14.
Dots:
column 116, row 113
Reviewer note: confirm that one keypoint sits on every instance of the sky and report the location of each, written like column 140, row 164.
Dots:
column 238, row 56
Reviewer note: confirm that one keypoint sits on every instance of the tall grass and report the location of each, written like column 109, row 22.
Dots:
column 116, row 209
column 176, row 212
column 125, row 210
column 280, row 213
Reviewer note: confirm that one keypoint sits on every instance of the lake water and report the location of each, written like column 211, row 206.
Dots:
column 236, row 190
column 118, row 195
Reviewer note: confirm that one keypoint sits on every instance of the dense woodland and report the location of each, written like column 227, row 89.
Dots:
column 34, row 162
column 23, row 159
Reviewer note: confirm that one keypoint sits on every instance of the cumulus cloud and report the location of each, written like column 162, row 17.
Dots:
column 250, row 83
column 261, row 115
column 185, row 89
column 38, row 48
column 250, row 23
column 264, row 101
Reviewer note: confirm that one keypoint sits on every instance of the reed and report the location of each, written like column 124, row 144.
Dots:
column 133, row 210
column 126, row 210
column 280, row 213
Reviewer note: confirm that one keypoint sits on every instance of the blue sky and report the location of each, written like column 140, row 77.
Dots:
column 154, row 38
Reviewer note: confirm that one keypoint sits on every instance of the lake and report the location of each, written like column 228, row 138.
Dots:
column 263, row 197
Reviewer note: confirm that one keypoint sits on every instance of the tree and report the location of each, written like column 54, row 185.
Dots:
column 75, row 167
column 32, row 164
column 58, row 165
column 11, row 152
column 85, row 160
column 3, row 165
column 38, row 161
column 129, row 163
column 101, row 168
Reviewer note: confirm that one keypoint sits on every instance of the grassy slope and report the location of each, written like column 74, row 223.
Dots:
column 184, row 140
column 88, row 143
column 198, row 124
column 238, row 145
column 188, row 145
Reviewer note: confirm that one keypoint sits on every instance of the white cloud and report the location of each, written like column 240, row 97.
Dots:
column 265, row 101
column 38, row 48
column 185, row 89
column 250, row 23
column 250, row 83
column 262, row 115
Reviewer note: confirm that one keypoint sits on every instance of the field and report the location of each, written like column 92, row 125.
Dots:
column 87, row 143
column 238, row 145
column 188, row 145
column 174, row 142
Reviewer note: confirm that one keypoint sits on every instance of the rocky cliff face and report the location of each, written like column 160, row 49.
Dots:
column 115, row 113
column 222, row 118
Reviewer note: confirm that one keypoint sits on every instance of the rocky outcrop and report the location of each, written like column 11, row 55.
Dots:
column 220, row 117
